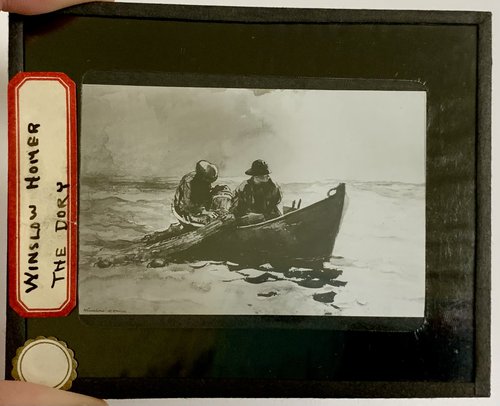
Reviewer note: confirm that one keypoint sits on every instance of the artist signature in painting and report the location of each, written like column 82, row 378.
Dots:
column 108, row 311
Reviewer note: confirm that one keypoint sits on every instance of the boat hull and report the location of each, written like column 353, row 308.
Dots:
column 301, row 237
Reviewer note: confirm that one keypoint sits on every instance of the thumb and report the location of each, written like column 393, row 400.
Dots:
column 14, row 393
column 30, row 7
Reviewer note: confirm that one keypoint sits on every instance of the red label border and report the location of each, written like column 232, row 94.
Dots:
column 13, row 197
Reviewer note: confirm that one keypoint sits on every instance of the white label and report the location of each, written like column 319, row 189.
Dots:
column 45, row 195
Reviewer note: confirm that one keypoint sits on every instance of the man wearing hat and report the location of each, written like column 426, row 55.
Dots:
column 193, row 196
column 259, row 194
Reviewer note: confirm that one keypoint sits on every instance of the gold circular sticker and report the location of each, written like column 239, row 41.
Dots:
column 45, row 361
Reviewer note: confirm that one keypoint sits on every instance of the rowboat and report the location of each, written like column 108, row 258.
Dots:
column 303, row 236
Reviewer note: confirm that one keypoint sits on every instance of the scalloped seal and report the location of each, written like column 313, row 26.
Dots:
column 45, row 361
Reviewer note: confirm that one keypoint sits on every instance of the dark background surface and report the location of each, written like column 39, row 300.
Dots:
column 447, row 355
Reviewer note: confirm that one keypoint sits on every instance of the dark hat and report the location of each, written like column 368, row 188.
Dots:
column 207, row 171
column 259, row 168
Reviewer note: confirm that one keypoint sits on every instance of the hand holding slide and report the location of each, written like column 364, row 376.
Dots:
column 38, row 7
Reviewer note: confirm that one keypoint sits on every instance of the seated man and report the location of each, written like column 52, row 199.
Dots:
column 193, row 196
column 257, row 195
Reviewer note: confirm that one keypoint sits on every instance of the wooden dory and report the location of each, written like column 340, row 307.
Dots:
column 301, row 237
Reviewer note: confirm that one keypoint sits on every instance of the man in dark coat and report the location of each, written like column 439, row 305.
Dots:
column 259, row 194
column 193, row 196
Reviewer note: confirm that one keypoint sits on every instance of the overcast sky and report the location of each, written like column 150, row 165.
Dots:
column 304, row 135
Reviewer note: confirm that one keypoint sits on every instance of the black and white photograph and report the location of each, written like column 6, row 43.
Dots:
column 252, row 201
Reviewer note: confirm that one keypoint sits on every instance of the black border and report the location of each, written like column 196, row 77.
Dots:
column 16, row 332
column 483, row 204
column 16, row 326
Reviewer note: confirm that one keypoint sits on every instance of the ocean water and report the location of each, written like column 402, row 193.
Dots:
column 377, row 266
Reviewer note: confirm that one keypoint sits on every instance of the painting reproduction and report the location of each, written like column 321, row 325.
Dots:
column 251, row 201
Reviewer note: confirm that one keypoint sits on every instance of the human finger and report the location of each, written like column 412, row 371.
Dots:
column 13, row 393
column 30, row 7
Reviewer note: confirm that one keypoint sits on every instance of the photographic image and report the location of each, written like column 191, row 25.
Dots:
column 251, row 201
